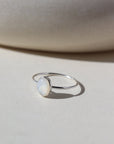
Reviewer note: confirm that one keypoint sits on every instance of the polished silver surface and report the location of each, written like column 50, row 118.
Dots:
column 50, row 74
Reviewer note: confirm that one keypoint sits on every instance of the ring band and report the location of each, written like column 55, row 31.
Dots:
column 44, row 83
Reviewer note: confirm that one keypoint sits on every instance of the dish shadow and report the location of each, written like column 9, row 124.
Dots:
column 101, row 56
column 54, row 95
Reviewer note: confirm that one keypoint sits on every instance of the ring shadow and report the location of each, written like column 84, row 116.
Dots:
column 54, row 95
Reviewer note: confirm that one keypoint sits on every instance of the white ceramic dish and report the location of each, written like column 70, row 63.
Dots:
column 57, row 25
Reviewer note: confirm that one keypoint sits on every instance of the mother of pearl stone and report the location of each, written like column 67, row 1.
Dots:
column 44, row 86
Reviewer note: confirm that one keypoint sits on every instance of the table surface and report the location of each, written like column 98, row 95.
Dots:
column 28, row 118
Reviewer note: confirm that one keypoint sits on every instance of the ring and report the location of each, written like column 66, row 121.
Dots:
column 44, row 83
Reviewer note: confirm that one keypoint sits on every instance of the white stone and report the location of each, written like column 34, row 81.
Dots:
column 43, row 86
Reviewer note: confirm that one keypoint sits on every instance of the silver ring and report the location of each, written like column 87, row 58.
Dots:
column 44, row 84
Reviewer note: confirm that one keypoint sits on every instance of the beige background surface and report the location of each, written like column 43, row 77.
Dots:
column 28, row 118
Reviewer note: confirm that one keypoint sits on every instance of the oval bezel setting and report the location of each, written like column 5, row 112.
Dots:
column 44, row 86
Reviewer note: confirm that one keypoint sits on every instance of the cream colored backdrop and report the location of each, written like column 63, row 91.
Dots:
column 57, row 25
